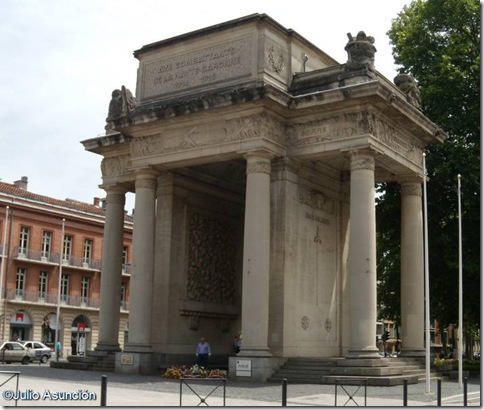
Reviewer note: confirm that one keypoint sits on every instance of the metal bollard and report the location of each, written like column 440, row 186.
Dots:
column 439, row 393
column 405, row 392
column 465, row 391
column 284, row 392
column 104, row 388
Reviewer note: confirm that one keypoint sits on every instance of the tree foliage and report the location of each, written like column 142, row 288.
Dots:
column 438, row 42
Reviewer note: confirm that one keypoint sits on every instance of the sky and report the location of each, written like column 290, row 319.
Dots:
column 63, row 58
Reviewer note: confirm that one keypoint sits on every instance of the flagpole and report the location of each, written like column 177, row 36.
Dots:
column 426, row 273
column 2, row 267
column 57, row 319
column 459, row 350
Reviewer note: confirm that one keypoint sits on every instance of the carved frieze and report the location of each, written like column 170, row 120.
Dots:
column 200, row 136
column 114, row 166
column 391, row 137
column 211, row 260
column 255, row 126
column 327, row 129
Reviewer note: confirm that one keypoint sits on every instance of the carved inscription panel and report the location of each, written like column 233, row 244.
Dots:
column 210, row 65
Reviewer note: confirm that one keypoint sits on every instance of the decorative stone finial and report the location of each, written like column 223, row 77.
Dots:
column 122, row 103
column 361, row 52
column 407, row 84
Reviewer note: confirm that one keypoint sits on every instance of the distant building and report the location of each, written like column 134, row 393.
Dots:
column 31, row 246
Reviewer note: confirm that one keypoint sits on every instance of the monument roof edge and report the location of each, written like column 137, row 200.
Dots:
column 256, row 17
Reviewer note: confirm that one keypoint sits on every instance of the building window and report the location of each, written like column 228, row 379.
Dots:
column 67, row 248
column 43, row 284
column 65, row 288
column 85, row 290
column 123, row 296
column 20, row 282
column 125, row 259
column 87, row 251
column 23, row 245
column 46, row 244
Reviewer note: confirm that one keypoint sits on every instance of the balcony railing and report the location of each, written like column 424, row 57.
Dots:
column 65, row 300
column 42, row 256
column 43, row 297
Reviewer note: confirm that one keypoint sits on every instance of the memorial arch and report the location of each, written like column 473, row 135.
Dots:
column 253, row 156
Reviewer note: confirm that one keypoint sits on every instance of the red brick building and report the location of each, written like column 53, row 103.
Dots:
column 36, row 257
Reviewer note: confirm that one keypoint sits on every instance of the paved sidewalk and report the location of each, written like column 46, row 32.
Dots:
column 40, row 385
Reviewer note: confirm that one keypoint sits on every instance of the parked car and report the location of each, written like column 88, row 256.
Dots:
column 15, row 352
column 41, row 352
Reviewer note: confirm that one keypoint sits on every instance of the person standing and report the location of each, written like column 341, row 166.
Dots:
column 203, row 352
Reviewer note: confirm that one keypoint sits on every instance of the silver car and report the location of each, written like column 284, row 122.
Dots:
column 41, row 352
column 15, row 352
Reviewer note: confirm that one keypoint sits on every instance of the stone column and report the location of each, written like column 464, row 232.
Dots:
column 412, row 268
column 141, row 282
column 111, row 268
column 362, row 257
column 255, row 281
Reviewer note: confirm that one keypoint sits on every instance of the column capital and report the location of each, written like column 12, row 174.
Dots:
column 362, row 159
column 411, row 185
column 146, row 178
column 258, row 162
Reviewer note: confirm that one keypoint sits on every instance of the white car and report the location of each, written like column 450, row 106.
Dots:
column 41, row 352
column 15, row 352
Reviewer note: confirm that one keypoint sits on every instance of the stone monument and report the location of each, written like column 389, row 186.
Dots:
column 253, row 156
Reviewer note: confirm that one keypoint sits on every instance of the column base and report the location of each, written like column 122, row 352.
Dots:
column 372, row 353
column 107, row 347
column 138, row 348
column 412, row 353
column 263, row 352
column 135, row 363
column 253, row 369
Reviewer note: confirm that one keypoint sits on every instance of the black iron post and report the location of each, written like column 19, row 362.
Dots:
column 439, row 392
column 405, row 392
column 465, row 391
column 284, row 392
column 104, row 388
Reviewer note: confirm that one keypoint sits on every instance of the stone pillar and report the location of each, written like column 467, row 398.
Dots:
column 255, row 281
column 111, row 268
column 362, row 257
column 141, row 282
column 412, row 268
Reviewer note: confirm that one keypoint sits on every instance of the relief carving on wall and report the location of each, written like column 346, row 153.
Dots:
column 211, row 260
column 275, row 59
column 390, row 136
column 255, row 126
column 114, row 166
column 316, row 200
column 327, row 129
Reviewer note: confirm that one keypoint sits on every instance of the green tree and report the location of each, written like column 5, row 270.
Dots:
column 438, row 42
